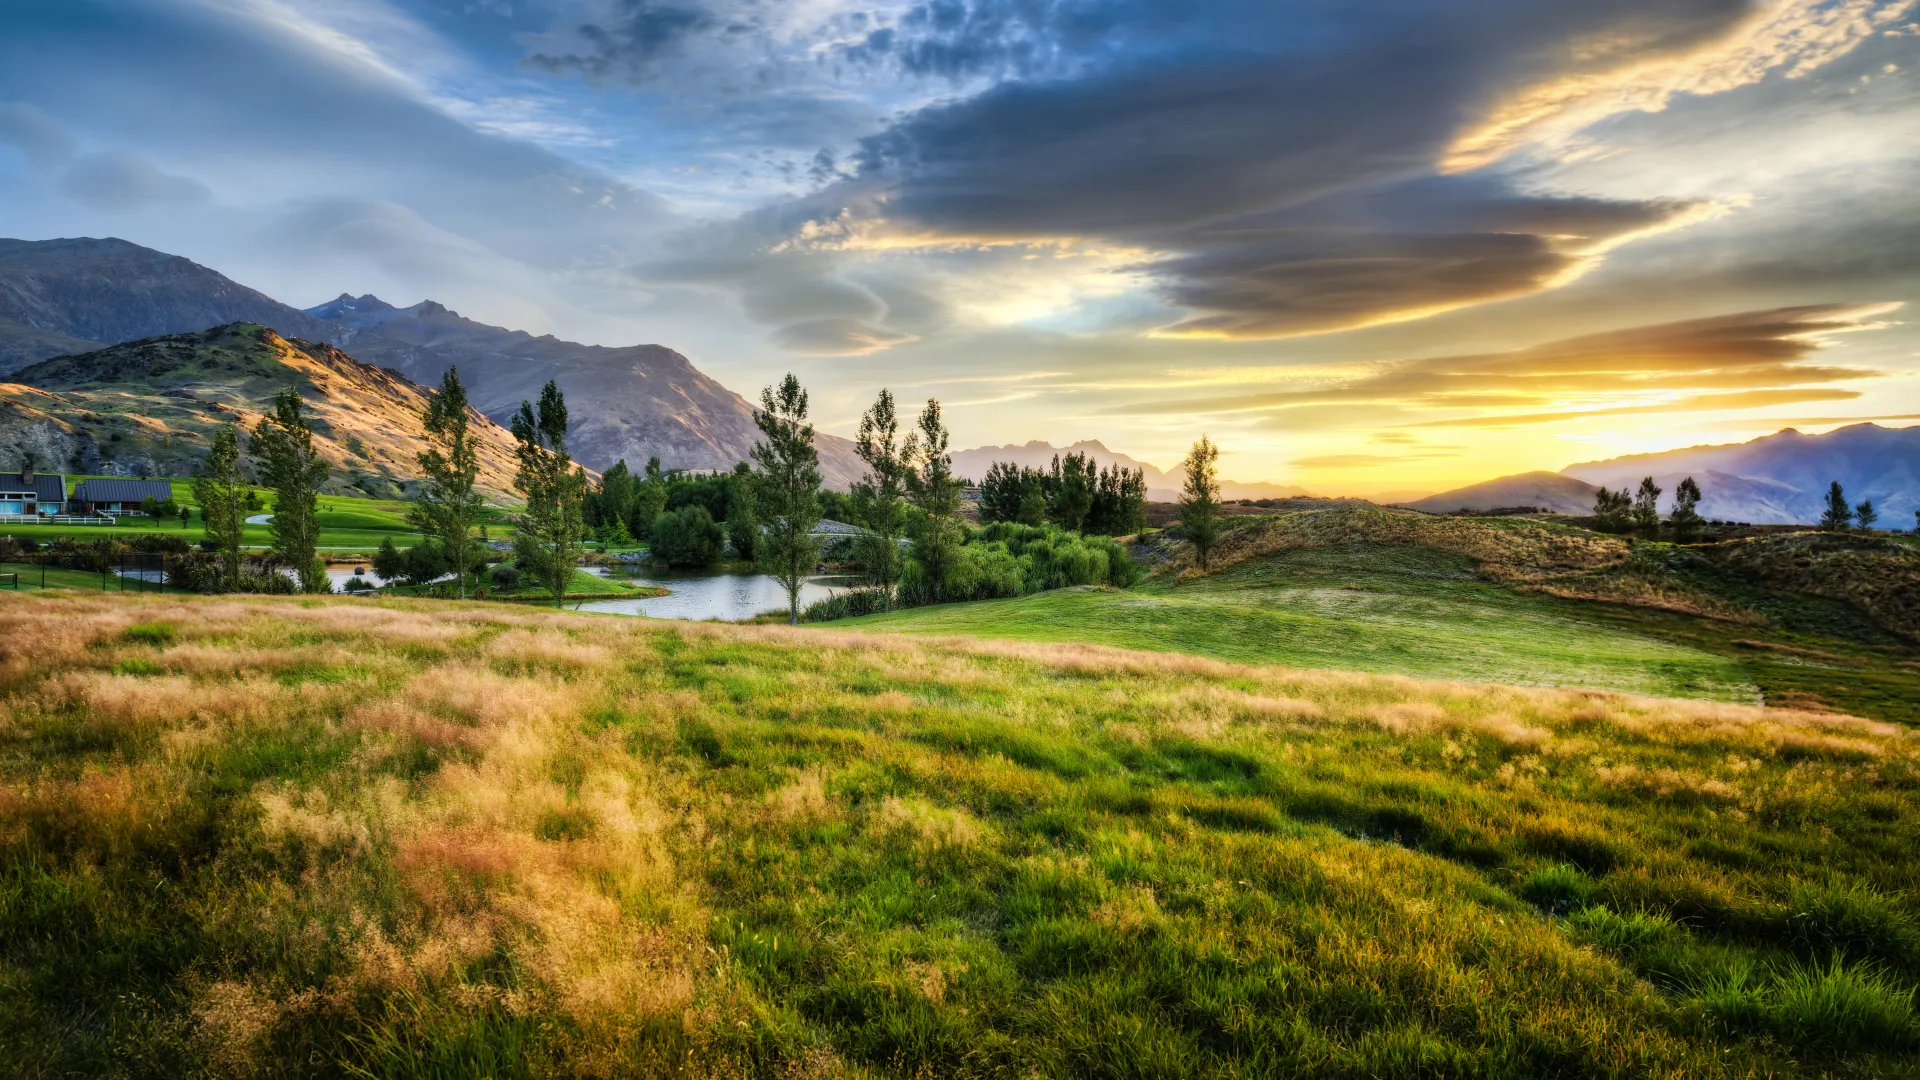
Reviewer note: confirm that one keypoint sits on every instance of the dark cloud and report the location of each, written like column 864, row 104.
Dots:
column 1283, row 158
column 1758, row 352
column 122, row 182
column 628, row 38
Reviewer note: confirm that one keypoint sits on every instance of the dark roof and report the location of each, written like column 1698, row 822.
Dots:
column 122, row 491
column 49, row 487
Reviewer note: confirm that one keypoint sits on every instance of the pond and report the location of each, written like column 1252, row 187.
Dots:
column 700, row 596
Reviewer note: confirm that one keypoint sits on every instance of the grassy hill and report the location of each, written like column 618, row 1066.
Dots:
column 330, row 837
column 1808, row 620
column 149, row 406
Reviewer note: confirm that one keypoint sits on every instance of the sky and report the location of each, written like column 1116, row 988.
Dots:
column 1369, row 248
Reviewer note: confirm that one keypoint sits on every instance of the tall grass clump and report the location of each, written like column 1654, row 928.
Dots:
column 330, row 837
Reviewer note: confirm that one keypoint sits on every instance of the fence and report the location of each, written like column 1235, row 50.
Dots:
column 57, row 519
column 133, row 571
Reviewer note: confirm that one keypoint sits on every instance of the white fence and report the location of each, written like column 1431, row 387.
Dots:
column 56, row 519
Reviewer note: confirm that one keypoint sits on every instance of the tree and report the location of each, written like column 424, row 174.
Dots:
column 687, row 538
column 743, row 524
column 879, row 500
column 1865, row 515
column 614, row 501
column 1685, row 517
column 1612, row 510
column 186, row 515
column 1072, row 484
column 1200, row 499
column 289, row 464
column 221, row 493
column 389, row 562
column 649, row 499
column 546, row 540
column 448, row 507
column 934, row 492
column 1839, row 515
column 787, row 485
column 1646, row 509
column 1119, row 502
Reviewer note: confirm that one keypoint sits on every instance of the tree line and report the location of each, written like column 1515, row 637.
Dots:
column 1639, row 511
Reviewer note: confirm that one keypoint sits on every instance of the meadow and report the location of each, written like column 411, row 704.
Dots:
column 327, row 837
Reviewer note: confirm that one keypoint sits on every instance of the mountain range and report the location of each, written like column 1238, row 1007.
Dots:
column 61, row 297
column 1778, row 479
column 1161, row 486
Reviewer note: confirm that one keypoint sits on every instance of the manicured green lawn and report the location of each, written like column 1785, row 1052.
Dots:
column 1387, row 609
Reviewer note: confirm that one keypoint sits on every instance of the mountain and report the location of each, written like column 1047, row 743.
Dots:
column 98, row 292
column 1782, row 478
column 1548, row 491
column 147, row 408
column 632, row 402
column 63, row 296
column 1161, row 486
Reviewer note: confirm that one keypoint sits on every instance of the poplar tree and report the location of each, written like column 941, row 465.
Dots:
column 546, row 541
column 290, row 466
column 787, row 488
column 1200, row 499
column 880, row 499
column 935, row 492
column 448, row 507
column 221, row 493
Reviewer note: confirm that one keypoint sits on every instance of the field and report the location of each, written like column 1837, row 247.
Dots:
column 292, row 837
column 1497, row 600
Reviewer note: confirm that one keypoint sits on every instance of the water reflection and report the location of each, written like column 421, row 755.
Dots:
column 713, row 596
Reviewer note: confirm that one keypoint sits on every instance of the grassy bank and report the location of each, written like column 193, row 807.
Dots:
column 315, row 837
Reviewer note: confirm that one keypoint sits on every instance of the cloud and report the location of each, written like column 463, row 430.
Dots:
column 837, row 337
column 1759, row 352
column 30, row 131
column 122, row 182
column 1364, row 461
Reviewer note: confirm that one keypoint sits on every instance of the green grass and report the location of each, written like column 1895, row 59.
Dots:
column 1364, row 607
column 584, row 585
column 325, row 837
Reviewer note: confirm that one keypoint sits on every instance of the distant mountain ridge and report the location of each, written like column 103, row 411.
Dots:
column 1161, row 486
column 149, row 408
column 1778, row 479
column 59, row 297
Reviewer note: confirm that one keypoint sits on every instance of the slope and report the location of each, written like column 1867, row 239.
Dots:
column 108, row 291
column 335, row 837
column 1547, row 491
column 147, row 408
column 633, row 402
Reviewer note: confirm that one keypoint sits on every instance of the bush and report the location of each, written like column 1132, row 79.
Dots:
column 506, row 576
column 1009, row 559
column 687, row 538
column 849, row 605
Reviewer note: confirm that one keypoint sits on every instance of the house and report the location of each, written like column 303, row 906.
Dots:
column 115, row 497
column 32, row 493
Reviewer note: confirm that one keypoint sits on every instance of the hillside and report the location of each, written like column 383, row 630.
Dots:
column 74, row 295
column 146, row 408
column 634, row 402
column 1542, row 490
column 1811, row 620
column 83, row 293
column 1789, row 472
column 1161, row 486
column 347, row 837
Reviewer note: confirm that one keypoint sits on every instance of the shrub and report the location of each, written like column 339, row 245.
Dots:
column 687, row 538
column 506, row 576
column 849, row 605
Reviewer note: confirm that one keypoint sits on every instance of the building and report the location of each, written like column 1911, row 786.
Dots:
column 32, row 493
column 115, row 497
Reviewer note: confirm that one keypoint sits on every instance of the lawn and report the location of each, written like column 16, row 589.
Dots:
column 348, row 524
column 1402, row 610
column 323, row 837
column 584, row 586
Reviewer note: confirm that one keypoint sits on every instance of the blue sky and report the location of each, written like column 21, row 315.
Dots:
column 1368, row 247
